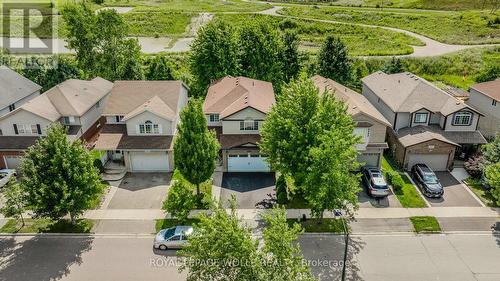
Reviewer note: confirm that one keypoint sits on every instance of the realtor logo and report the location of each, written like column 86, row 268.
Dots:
column 28, row 28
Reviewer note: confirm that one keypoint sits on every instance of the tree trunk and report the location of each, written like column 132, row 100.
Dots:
column 72, row 218
column 22, row 219
column 198, row 189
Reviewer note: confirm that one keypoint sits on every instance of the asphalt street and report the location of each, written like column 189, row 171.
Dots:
column 453, row 257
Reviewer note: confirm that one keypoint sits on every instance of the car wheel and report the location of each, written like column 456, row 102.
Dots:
column 163, row 247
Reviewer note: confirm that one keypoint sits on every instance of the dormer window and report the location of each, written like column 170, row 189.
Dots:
column 213, row 118
column 149, row 128
column 463, row 118
column 249, row 125
column 421, row 118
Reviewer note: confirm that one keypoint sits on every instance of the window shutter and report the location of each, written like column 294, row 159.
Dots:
column 15, row 129
column 39, row 129
column 117, row 118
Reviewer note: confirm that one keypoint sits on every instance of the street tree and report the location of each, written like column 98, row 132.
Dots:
column 14, row 200
column 281, row 254
column 492, row 174
column 221, row 248
column 159, row 69
column 195, row 148
column 180, row 200
column 59, row 177
column 334, row 61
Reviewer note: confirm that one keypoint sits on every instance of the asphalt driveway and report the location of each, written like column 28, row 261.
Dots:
column 366, row 201
column 141, row 191
column 455, row 193
column 252, row 190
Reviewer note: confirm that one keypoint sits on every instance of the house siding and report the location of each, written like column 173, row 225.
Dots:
column 489, row 124
column 19, row 103
column 472, row 127
column 25, row 118
column 231, row 124
column 145, row 116
column 379, row 104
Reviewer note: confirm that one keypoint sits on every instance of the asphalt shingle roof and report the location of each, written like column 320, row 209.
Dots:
column 14, row 87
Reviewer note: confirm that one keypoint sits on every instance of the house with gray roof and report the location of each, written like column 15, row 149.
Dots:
column 429, row 125
column 141, row 123
column 486, row 98
column 77, row 104
column 371, row 125
column 15, row 90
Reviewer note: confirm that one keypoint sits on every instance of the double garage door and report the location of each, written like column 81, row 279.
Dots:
column 437, row 162
column 251, row 162
column 149, row 161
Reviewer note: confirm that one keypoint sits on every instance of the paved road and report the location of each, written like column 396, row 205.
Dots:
column 373, row 257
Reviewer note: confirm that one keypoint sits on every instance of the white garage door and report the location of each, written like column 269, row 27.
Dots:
column 369, row 159
column 13, row 162
column 247, row 163
column 437, row 162
column 152, row 161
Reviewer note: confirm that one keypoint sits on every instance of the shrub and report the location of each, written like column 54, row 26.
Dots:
column 98, row 2
column 474, row 166
column 281, row 191
column 180, row 200
column 395, row 179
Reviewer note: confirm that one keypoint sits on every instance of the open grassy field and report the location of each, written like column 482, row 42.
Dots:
column 361, row 41
column 470, row 27
column 190, row 5
column 157, row 24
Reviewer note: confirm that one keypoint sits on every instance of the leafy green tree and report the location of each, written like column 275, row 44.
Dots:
column 133, row 70
column 291, row 55
column 34, row 70
column 492, row 174
column 281, row 190
column 65, row 70
column 180, row 200
column 195, row 147
column 281, row 253
column 491, row 151
column 221, row 248
column 395, row 65
column 14, row 200
column 213, row 54
column 491, row 73
column 159, row 69
column 334, row 61
column 59, row 176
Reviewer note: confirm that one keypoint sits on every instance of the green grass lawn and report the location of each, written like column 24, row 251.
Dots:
column 425, row 224
column 168, row 223
column 318, row 225
column 470, row 27
column 157, row 24
column 190, row 5
column 483, row 194
column 47, row 226
column 205, row 190
column 408, row 196
column 361, row 41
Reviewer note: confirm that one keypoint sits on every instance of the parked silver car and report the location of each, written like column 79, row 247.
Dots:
column 172, row 238
column 374, row 182
column 5, row 176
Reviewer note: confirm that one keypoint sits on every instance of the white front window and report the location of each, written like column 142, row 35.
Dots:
column 149, row 128
column 249, row 125
column 27, row 129
column 213, row 118
column 462, row 119
column 421, row 118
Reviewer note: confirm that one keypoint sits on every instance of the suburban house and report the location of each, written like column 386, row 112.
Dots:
column 141, row 122
column 15, row 90
column 428, row 125
column 78, row 104
column 371, row 125
column 235, row 108
column 486, row 98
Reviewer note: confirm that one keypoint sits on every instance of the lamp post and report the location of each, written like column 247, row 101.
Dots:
column 338, row 213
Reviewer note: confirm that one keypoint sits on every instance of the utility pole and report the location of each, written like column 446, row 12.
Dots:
column 338, row 213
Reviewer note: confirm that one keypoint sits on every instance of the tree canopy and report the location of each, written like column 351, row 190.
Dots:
column 159, row 69
column 334, row 61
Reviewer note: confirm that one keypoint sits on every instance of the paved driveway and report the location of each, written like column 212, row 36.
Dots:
column 366, row 201
column 252, row 190
column 455, row 193
column 141, row 191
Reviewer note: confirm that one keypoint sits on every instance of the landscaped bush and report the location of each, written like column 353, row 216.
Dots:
column 281, row 191
column 474, row 166
column 395, row 179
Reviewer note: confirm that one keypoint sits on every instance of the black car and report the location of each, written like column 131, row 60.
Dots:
column 425, row 178
column 374, row 182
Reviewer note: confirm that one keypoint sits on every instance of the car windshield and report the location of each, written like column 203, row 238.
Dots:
column 169, row 233
column 430, row 178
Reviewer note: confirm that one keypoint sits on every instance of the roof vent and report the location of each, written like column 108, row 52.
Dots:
column 399, row 81
column 346, row 90
column 253, row 83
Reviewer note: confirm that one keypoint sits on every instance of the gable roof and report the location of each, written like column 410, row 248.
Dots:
column 356, row 103
column 130, row 98
column 69, row 98
column 14, row 87
column 490, row 89
column 403, row 91
column 233, row 94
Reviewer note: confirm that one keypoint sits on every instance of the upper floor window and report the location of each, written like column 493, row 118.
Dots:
column 149, row 128
column 249, row 125
column 69, row 120
column 118, row 118
column 462, row 118
column 421, row 118
column 213, row 118
column 12, row 107
column 494, row 103
column 23, row 129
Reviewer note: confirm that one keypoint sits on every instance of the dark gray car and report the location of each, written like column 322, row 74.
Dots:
column 427, row 181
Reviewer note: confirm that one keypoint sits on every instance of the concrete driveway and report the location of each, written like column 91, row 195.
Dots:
column 140, row 191
column 252, row 190
column 455, row 193
column 366, row 201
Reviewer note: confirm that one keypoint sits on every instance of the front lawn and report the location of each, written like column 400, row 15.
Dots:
column 48, row 226
column 318, row 225
column 425, row 224
column 483, row 194
column 168, row 223
column 408, row 195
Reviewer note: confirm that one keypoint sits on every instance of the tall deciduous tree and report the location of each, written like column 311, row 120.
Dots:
column 14, row 200
column 291, row 55
column 334, row 61
column 213, row 54
column 195, row 147
column 66, row 69
column 59, row 176
column 159, row 69
column 180, row 200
